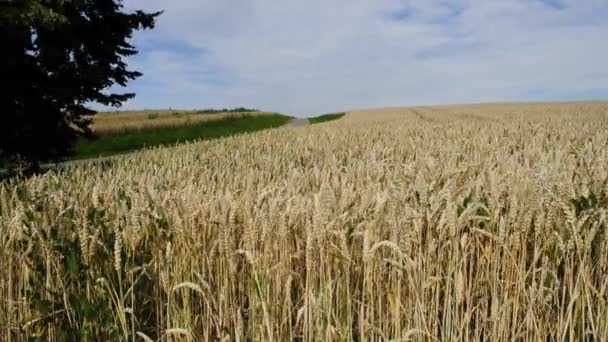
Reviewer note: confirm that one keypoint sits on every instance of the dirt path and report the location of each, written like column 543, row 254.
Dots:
column 297, row 123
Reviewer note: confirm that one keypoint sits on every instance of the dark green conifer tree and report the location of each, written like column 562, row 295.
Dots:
column 57, row 57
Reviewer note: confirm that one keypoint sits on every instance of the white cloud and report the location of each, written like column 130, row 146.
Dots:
column 308, row 57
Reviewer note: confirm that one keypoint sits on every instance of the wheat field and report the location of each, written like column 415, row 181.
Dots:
column 449, row 223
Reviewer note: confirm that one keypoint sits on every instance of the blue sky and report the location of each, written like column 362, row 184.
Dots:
column 316, row 56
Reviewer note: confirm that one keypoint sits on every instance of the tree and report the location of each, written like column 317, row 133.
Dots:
column 58, row 57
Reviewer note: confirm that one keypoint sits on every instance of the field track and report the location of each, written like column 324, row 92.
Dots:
column 298, row 123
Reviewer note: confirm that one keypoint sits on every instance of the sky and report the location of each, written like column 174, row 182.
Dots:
column 317, row 56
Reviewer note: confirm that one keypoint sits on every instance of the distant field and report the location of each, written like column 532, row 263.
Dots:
column 121, row 122
column 444, row 223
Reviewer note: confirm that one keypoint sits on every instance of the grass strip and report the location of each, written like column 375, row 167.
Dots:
column 326, row 118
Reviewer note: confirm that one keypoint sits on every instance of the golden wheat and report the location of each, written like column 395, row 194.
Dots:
column 430, row 223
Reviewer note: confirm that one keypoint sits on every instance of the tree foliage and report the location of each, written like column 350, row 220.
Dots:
column 58, row 57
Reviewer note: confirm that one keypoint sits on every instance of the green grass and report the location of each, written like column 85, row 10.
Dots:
column 325, row 118
column 130, row 141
